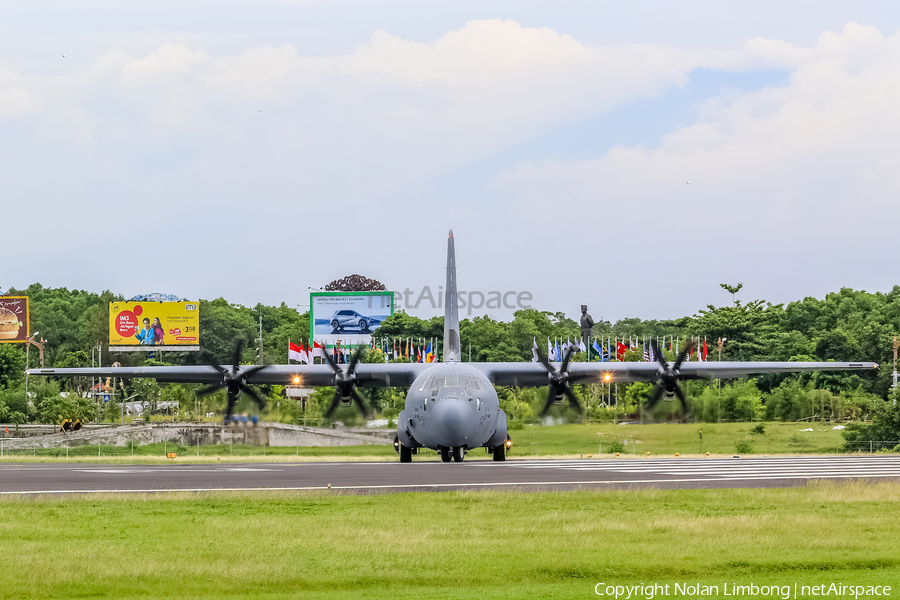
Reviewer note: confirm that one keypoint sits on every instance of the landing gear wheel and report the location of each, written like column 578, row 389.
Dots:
column 499, row 453
column 405, row 454
column 458, row 454
column 445, row 454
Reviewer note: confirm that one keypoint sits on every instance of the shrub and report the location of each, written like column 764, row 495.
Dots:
column 614, row 447
column 743, row 447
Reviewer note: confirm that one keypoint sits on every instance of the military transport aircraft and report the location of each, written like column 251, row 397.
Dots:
column 451, row 406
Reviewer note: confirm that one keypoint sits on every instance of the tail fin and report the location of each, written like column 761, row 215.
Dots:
column 451, row 307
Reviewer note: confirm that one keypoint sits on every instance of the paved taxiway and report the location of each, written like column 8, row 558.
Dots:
column 374, row 477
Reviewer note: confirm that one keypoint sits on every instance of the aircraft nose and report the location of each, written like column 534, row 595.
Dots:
column 455, row 421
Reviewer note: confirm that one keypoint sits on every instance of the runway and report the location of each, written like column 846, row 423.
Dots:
column 379, row 477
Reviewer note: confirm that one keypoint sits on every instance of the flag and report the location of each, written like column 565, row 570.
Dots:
column 704, row 349
column 599, row 350
column 549, row 350
column 534, row 350
column 621, row 349
column 646, row 356
column 318, row 350
column 581, row 345
column 296, row 352
column 429, row 356
column 557, row 356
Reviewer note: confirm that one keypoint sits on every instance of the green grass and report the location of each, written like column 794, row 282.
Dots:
column 444, row 545
column 538, row 441
column 667, row 439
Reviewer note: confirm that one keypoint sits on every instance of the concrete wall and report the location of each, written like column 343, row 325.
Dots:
column 193, row 434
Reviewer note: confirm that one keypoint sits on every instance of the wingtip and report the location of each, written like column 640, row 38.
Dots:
column 451, row 233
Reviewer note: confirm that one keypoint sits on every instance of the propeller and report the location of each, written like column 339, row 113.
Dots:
column 668, row 377
column 234, row 381
column 559, row 382
column 345, row 384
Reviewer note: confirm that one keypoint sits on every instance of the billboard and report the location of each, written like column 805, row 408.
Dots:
column 148, row 324
column 351, row 317
column 14, row 325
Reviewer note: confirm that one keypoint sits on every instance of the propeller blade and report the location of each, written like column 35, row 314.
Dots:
column 657, row 393
column 209, row 389
column 330, row 360
column 253, row 371
column 543, row 360
column 206, row 357
column 253, row 394
column 360, row 403
column 684, row 403
column 232, row 400
column 572, row 399
column 551, row 396
column 683, row 354
column 334, row 404
column 238, row 353
column 660, row 357
column 565, row 362
column 354, row 359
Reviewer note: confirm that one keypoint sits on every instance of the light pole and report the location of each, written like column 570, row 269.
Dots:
column 28, row 363
column 719, row 402
column 260, row 358
column 896, row 346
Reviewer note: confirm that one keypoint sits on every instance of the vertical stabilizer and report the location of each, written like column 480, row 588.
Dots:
column 451, row 307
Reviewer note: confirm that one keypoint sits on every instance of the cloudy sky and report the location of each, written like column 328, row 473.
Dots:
column 252, row 149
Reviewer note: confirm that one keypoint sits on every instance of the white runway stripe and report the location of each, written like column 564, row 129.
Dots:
column 732, row 469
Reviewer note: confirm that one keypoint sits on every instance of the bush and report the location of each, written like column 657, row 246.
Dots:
column 614, row 447
column 743, row 447
column 758, row 430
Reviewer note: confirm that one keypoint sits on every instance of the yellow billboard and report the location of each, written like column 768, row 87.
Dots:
column 154, row 324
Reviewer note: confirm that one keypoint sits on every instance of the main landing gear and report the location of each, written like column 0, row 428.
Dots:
column 499, row 452
column 455, row 454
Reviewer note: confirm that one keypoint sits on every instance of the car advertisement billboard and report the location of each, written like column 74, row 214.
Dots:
column 351, row 317
column 149, row 324
column 14, row 319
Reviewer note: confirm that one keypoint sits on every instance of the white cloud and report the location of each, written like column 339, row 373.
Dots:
column 199, row 146
column 809, row 159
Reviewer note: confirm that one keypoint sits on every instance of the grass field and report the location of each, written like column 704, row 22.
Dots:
column 537, row 441
column 666, row 439
column 481, row 545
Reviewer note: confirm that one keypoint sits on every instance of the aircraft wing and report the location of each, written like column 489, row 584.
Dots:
column 510, row 373
column 534, row 374
column 367, row 374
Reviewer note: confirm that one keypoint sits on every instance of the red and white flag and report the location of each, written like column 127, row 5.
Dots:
column 318, row 350
column 298, row 353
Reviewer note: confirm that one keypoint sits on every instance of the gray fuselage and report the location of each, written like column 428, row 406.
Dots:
column 452, row 405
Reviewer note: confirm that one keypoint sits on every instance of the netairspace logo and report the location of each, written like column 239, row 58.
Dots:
column 468, row 300
column 695, row 590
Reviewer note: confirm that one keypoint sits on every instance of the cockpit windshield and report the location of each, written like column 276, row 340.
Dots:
column 467, row 382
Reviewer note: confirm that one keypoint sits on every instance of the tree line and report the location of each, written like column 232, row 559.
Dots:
column 849, row 325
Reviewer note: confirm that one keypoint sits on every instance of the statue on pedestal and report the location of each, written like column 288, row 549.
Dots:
column 586, row 324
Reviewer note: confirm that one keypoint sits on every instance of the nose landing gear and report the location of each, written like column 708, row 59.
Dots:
column 452, row 454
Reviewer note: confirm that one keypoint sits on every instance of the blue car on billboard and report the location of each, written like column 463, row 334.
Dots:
column 346, row 318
